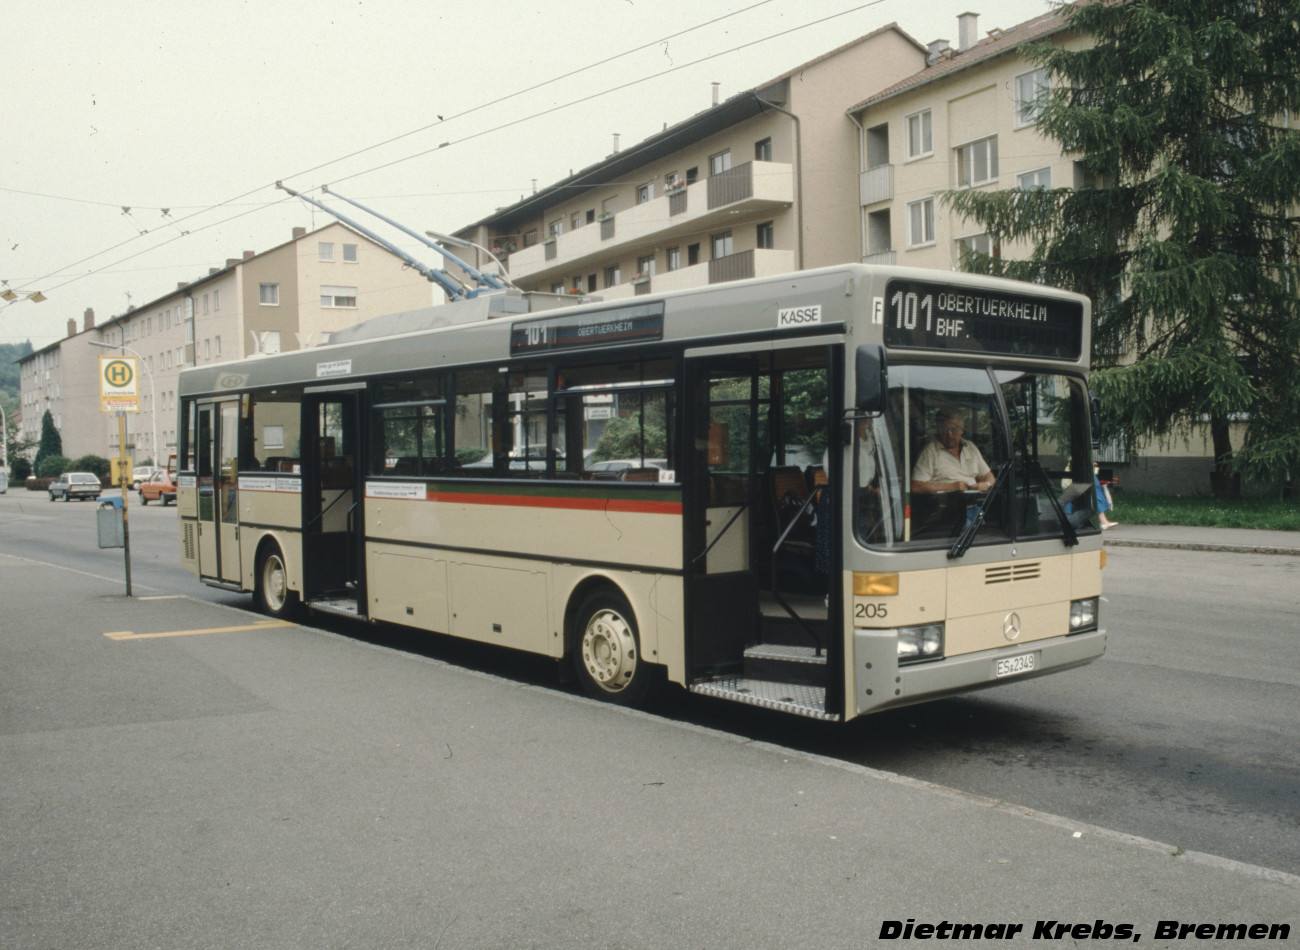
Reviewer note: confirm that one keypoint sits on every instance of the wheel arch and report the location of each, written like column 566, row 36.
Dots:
column 288, row 553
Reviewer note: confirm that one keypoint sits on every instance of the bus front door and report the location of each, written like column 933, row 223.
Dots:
column 721, row 493
column 218, row 485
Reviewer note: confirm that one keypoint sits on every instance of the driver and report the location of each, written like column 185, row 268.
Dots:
column 948, row 462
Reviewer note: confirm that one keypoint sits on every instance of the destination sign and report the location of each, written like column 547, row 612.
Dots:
column 926, row 315
column 639, row 323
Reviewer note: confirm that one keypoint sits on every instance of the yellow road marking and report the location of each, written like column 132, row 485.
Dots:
column 264, row 625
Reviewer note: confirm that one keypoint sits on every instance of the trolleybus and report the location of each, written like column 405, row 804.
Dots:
column 764, row 531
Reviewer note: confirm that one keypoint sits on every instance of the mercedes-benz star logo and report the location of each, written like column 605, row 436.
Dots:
column 1011, row 626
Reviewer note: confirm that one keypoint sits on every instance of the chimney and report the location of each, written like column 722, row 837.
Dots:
column 181, row 285
column 935, row 51
column 72, row 327
column 299, row 232
column 231, row 261
column 717, row 87
column 249, row 255
column 967, row 31
column 90, row 318
column 213, row 270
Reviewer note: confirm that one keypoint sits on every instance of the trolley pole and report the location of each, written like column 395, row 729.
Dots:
column 124, row 479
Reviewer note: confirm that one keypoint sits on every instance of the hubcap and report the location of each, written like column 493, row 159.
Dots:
column 609, row 650
column 273, row 582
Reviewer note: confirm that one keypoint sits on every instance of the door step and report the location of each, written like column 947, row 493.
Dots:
column 785, row 663
column 340, row 605
column 808, row 701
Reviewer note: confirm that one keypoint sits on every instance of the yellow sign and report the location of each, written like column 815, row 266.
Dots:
column 120, row 470
column 119, row 384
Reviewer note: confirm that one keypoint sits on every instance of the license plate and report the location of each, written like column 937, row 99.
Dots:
column 1011, row 665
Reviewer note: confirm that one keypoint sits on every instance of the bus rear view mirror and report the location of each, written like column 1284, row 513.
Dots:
column 872, row 378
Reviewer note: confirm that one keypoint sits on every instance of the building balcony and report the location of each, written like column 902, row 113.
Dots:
column 876, row 184
column 764, row 262
column 750, row 192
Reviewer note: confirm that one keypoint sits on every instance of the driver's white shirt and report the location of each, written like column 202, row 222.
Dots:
column 937, row 464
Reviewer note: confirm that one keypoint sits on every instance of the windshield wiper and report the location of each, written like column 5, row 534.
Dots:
column 973, row 526
column 1069, row 536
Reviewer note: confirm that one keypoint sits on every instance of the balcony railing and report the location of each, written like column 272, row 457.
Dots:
column 748, row 192
column 732, row 267
column 877, row 184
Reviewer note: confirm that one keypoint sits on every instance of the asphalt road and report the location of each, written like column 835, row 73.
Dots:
column 1183, row 733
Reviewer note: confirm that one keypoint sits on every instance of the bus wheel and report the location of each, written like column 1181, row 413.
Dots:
column 272, row 593
column 607, row 650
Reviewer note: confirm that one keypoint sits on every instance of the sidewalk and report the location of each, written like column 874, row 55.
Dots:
column 1236, row 540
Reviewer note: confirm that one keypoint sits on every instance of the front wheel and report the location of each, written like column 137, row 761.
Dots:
column 143, row 500
column 607, row 650
column 272, row 593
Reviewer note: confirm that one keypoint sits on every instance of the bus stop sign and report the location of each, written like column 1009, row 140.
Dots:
column 119, row 389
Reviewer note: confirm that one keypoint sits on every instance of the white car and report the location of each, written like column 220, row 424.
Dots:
column 141, row 474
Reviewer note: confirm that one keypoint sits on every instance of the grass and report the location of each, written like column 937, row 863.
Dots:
column 1269, row 513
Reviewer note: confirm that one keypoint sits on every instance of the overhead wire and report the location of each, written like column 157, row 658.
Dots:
column 206, row 209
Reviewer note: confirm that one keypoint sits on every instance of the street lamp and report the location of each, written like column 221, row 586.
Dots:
column 153, row 396
column 462, row 242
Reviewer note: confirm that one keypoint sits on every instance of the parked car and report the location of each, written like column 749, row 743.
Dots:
column 142, row 474
column 614, row 469
column 78, row 485
column 160, row 487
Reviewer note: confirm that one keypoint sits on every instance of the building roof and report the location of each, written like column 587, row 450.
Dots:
column 732, row 111
column 998, row 43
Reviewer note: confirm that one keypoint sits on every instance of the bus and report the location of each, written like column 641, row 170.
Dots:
column 764, row 533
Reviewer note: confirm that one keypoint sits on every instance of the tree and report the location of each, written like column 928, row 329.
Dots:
column 51, row 443
column 1186, row 238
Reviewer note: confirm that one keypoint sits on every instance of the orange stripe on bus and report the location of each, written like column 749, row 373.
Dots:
column 572, row 504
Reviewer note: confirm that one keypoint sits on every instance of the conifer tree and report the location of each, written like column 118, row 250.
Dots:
column 1182, row 116
column 51, row 443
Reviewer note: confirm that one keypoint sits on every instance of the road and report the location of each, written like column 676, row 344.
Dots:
column 1183, row 733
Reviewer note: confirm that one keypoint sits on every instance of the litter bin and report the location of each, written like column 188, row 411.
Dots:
column 111, row 524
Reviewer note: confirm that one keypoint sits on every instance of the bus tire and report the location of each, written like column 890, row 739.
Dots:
column 607, row 650
column 271, row 589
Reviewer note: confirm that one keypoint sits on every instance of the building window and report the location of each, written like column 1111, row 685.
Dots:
column 591, row 215
column 555, row 228
column 920, row 139
column 766, row 237
column 920, row 222
column 976, row 244
column 644, row 193
column 334, row 297
column 575, row 221
column 557, row 287
column 207, row 349
column 674, row 256
column 763, row 150
column 1040, row 178
column 349, row 253
column 612, row 276
column 977, row 163
column 325, row 251
column 721, row 245
column 205, row 303
column 645, row 266
column 720, row 163
column 217, row 341
column 268, row 295
column 1031, row 96
column 216, row 300
column 530, row 238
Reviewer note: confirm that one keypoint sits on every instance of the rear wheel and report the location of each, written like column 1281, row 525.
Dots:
column 272, row 593
column 607, row 650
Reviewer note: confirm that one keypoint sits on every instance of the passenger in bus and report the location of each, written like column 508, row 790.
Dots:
column 948, row 462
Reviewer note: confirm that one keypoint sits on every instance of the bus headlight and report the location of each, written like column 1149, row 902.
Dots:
column 920, row 643
column 1083, row 615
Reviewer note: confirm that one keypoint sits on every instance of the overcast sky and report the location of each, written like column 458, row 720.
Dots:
column 199, row 111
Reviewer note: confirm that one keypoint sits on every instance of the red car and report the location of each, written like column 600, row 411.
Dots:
column 161, row 486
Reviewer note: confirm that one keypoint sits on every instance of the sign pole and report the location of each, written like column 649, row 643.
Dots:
column 124, row 479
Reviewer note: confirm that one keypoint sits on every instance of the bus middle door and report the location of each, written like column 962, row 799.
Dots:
column 218, row 485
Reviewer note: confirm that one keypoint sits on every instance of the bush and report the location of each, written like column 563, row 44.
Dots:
column 51, row 466
column 97, row 465
column 20, row 470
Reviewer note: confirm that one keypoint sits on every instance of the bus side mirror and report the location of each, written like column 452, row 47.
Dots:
column 872, row 378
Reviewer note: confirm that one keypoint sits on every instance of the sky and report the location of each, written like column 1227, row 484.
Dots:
column 141, row 146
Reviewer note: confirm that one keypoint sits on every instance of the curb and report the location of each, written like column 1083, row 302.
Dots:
column 1202, row 546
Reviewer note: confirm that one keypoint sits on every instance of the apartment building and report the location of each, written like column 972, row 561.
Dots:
column 754, row 185
column 289, row 297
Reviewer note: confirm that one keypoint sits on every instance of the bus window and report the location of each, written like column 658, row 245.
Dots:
column 408, row 431
column 273, row 430
column 613, row 421
column 481, row 439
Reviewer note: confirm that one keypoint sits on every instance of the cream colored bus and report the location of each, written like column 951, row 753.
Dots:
column 729, row 488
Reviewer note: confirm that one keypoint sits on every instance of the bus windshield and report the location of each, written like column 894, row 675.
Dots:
column 994, row 455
